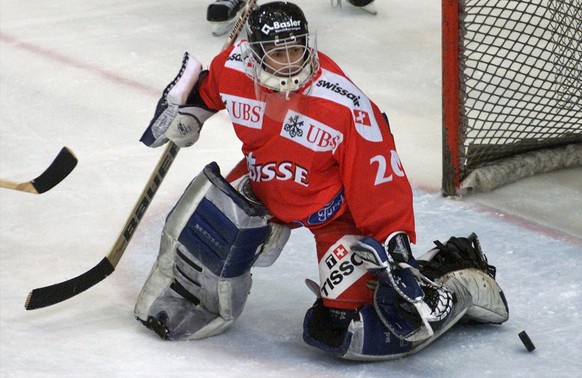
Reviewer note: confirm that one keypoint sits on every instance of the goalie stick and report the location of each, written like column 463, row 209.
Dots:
column 60, row 168
column 53, row 294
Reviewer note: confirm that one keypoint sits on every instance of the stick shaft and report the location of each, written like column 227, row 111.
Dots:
column 21, row 186
column 49, row 295
column 143, row 203
column 53, row 294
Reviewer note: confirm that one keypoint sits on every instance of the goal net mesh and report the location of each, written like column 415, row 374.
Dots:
column 520, row 89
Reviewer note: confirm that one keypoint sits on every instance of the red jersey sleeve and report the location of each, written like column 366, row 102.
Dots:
column 210, row 86
column 377, row 189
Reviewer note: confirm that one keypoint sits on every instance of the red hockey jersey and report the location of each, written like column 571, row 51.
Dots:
column 325, row 149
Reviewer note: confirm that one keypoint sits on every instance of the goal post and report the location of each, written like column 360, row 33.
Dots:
column 512, row 90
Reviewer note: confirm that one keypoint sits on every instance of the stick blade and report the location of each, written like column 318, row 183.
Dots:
column 53, row 294
column 60, row 168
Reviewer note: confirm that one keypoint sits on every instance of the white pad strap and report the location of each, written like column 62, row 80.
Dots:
column 274, row 245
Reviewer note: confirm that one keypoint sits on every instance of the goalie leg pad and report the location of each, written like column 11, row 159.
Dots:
column 362, row 336
column 460, row 263
column 201, row 279
column 279, row 232
column 488, row 303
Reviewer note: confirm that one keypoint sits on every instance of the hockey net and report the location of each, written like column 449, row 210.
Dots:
column 512, row 90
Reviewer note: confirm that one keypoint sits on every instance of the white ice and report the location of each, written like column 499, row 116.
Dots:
column 88, row 74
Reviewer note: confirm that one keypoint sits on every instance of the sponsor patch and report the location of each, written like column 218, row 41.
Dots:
column 328, row 211
column 339, row 89
column 276, row 170
column 236, row 59
column 244, row 111
column 339, row 268
column 362, row 117
column 288, row 25
column 310, row 133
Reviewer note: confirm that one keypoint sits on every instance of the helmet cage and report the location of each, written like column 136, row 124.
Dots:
column 299, row 67
column 275, row 31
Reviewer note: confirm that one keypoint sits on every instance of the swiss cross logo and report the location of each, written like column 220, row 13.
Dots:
column 362, row 117
column 340, row 252
column 340, row 268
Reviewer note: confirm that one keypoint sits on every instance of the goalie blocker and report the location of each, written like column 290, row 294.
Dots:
column 200, row 282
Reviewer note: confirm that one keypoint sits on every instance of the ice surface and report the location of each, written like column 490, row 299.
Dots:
column 88, row 74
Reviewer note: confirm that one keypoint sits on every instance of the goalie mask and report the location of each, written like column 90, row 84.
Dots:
column 279, row 54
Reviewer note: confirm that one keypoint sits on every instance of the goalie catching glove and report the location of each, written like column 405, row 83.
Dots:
column 180, row 112
column 406, row 301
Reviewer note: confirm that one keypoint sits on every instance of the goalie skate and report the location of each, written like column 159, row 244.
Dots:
column 364, row 5
column 223, row 14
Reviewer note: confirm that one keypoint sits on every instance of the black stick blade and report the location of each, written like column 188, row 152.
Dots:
column 50, row 295
column 60, row 168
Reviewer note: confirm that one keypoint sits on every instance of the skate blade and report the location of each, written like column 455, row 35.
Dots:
column 370, row 9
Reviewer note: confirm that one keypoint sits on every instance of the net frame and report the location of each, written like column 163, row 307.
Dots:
column 512, row 90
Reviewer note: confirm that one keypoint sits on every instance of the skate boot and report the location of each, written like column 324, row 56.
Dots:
column 365, row 5
column 222, row 14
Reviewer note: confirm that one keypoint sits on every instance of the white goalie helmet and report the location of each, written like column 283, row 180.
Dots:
column 279, row 53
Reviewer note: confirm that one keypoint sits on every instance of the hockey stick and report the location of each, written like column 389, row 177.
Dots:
column 60, row 168
column 50, row 295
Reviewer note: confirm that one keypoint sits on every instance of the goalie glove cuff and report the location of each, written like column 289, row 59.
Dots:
column 391, row 262
column 373, row 254
column 184, row 130
column 377, row 256
column 398, row 248
column 176, row 118
column 393, row 254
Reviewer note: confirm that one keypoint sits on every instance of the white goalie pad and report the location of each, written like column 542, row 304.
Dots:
column 488, row 304
column 201, row 279
column 274, row 245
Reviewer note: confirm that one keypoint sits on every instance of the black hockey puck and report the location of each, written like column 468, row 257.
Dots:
column 526, row 341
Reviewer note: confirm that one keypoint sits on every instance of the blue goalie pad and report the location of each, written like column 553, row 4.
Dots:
column 377, row 340
column 365, row 337
column 218, row 243
column 390, row 310
column 226, row 232
column 201, row 280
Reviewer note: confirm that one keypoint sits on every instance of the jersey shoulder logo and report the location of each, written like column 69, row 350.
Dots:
column 362, row 117
column 235, row 60
column 341, row 90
